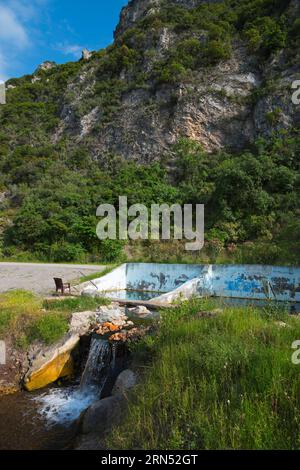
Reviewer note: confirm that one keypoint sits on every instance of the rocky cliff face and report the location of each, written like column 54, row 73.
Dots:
column 138, row 9
column 227, row 104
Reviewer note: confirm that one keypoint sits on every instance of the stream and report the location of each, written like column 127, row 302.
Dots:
column 23, row 427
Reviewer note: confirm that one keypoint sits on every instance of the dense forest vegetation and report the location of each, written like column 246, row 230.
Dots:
column 52, row 189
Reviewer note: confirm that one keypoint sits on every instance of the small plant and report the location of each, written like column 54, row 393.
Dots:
column 273, row 117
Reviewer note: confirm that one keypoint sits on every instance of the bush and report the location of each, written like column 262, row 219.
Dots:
column 67, row 252
column 265, row 35
column 111, row 250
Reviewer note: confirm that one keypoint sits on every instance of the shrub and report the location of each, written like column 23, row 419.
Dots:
column 265, row 35
column 67, row 252
column 111, row 250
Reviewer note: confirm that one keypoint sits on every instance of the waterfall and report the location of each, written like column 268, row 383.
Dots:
column 64, row 405
column 97, row 365
column 114, row 354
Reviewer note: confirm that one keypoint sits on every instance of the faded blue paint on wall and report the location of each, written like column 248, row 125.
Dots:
column 245, row 281
column 238, row 281
column 253, row 281
column 159, row 277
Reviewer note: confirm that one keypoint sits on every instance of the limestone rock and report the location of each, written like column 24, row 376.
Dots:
column 140, row 311
column 138, row 9
column 125, row 381
column 88, row 121
column 86, row 54
column 218, row 106
column 81, row 322
column 112, row 313
column 50, row 365
column 223, row 106
column 35, row 79
column 47, row 65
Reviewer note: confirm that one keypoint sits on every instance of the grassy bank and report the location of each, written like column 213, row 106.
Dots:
column 216, row 383
column 25, row 317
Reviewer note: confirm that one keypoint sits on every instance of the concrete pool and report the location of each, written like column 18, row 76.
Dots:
column 168, row 282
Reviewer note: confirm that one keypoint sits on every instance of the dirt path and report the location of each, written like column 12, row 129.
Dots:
column 39, row 277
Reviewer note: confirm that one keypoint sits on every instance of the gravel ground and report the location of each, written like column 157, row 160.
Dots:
column 39, row 277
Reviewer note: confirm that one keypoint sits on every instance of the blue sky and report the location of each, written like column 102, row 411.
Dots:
column 32, row 31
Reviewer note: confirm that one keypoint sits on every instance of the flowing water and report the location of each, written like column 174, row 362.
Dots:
column 97, row 365
column 47, row 419
column 64, row 405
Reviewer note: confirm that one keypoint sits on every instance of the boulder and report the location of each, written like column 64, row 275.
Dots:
column 140, row 311
column 113, row 314
column 50, row 365
column 81, row 322
column 103, row 415
column 89, row 442
column 125, row 381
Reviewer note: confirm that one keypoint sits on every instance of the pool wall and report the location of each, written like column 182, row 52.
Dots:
column 184, row 280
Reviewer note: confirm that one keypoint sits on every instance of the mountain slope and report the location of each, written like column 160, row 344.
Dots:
column 221, row 77
column 217, row 73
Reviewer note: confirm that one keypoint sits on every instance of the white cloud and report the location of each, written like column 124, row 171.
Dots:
column 74, row 50
column 24, row 9
column 16, row 30
column 12, row 32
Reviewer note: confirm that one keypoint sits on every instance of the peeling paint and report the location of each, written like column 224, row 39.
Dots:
column 173, row 280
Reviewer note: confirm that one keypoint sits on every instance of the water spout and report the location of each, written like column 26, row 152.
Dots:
column 97, row 365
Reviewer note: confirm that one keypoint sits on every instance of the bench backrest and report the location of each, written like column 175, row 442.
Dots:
column 58, row 282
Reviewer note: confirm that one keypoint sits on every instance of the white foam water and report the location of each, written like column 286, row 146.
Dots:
column 63, row 406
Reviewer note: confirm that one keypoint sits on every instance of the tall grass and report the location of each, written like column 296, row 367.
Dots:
column 216, row 383
column 17, row 308
column 25, row 317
